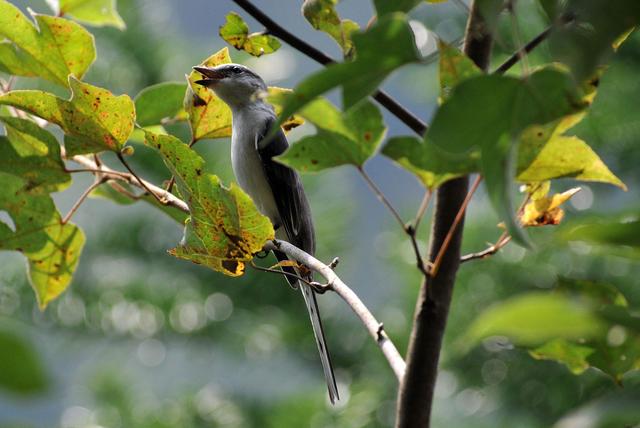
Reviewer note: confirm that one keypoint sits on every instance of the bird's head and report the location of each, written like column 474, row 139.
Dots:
column 235, row 84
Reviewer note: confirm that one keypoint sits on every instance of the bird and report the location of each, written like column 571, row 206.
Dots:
column 275, row 189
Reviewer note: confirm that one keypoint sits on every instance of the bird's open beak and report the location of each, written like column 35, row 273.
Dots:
column 210, row 75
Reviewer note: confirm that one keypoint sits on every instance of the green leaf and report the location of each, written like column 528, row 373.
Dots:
column 93, row 119
column 542, row 158
column 236, row 32
column 322, row 15
column 588, row 42
column 209, row 116
column 21, row 370
column 160, row 102
column 620, row 232
column 360, row 77
column 490, row 112
column 225, row 228
column 535, row 318
column 572, row 355
column 52, row 248
column 455, row 67
column 33, row 154
column 54, row 49
column 98, row 13
column 341, row 139
column 428, row 162
column 621, row 408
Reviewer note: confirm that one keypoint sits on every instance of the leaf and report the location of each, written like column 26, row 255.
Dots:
column 542, row 158
column 236, row 32
column 621, row 408
column 52, row 49
column 209, row 116
column 490, row 112
column 341, row 139
column 570, row 354
column 588, row 42
column 32, row 153
column 455, row 67
column 429, row 163
column 535, row 318
column 622, row 232
column 225, row 228
column 545, row 210
column 21, row 370
column 52, row 248
column 322, row 15
column 98, row 13
column 360, row 77
column 157, row 103
column 93, row 119
column 276, row 93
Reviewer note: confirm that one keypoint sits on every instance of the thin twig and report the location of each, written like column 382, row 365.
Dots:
column 422, row 209
column 489, row 251
column 118, row 188
column 140, row 181
column 334, row 283
column 96, row 171
column 99, row 180
column 374, row 188
column 280, row 272
column 445, row 244
column 395, row 108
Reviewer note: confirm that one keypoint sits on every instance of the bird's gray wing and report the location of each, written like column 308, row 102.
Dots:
column 297, row 222
column 287, row 189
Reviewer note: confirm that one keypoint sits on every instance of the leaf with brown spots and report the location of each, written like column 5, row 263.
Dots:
column 225, row 229
column 236, row 32
column 209, row 116
column 52, row 249
column 97, row 13
column 343, row 138
column 93, row 120
column 53, row 49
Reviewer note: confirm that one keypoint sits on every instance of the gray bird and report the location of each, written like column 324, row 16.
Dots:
column 275, row 189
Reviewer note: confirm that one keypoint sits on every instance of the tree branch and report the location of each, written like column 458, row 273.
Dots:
column 489, row 251
column 334, row 283
column 168, row 198
column 415, row 398
column 275, row 29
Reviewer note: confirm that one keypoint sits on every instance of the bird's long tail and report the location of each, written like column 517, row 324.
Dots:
column 312, row 306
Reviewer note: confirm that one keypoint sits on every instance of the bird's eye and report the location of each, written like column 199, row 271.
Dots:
column 236, row 70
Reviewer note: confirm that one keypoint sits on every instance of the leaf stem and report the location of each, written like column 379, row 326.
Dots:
column 381, row 197
column 422, row 209
column 82, row 198
column 161, row 201
column 456, row 221
column 96, row 171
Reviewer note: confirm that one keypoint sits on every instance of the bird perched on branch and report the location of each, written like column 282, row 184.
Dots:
column 275, row 189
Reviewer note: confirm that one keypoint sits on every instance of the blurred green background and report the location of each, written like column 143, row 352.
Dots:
column 141, row 339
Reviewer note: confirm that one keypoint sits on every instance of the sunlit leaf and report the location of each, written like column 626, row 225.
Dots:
column 32, row 153
column 21, row 371
column 52, row 248
column 209, row 116
column 574, row 356
column 93, row 12
column 322, row 15
column 225, row 228
column 53, row 49
column 428, row 162
column 535, row 318
column 236, row 32
column 93, row 119
column 545, row 210
column 160, row 102
column 489, row 113
column 276, row 93
column 542, row 157
column 342, row 138
column 360, row 77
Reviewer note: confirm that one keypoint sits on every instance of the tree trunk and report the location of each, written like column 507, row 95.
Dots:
column 415, row 397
